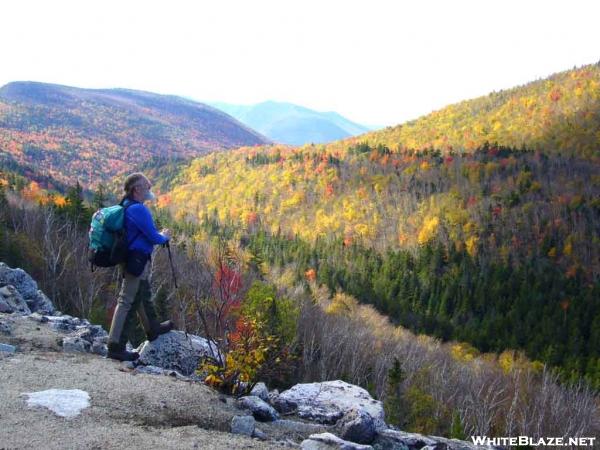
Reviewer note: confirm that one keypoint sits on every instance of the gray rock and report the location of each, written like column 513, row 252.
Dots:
column 283, row 405
column 260, row 390
column 273, row 396
column 260, row 409
column 295, row 427
column 76, row 344
column 99, row 348
column 356, row 426
column 327, row 402
column 174, row 350
column 7, row 348
column 37, row 317
column 259, row 435
column 243, row 425
column 400, row 440
column 64, row 323
column 11, row 301
column 5, row 308
column 90, row 332
column 36, row 300
column 328, row 441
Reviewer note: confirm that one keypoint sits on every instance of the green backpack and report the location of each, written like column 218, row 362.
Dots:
column 107, row 237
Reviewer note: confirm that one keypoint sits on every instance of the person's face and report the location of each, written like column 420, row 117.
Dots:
column 141, row 190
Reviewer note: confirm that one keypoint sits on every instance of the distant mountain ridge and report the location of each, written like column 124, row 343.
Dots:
column 94, row 134
column 291, row 124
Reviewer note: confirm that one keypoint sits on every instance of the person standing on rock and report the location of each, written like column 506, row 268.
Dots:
column 135, row 295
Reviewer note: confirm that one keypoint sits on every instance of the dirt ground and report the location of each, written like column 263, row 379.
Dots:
column 127, row 409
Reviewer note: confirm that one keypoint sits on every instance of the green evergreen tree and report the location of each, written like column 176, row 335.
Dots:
column 394, row 405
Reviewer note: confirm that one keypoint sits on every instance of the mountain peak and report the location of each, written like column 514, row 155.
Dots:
column 293, row 124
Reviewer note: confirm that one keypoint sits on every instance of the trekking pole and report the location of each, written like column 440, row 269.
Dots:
column 171, row 262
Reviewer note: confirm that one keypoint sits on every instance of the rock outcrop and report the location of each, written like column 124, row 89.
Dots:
column 329, row 401
column 11, row 301
column 26, row 286
column 325, row 415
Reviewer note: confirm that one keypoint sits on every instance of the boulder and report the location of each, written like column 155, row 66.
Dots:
column 11, row 301
column 174, row 350
column 326, row 441
column 260, row 390
column 36, row 300
column 260, row 409
column 329, row 401
column 356, row 426
column 76, row 344
column 243, row 425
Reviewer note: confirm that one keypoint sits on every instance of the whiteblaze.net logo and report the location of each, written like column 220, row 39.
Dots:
column 534, row 442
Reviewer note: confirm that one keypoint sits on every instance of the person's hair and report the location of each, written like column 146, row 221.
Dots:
column 132, row 181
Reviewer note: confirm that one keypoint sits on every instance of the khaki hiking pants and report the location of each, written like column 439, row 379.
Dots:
column 135, row 296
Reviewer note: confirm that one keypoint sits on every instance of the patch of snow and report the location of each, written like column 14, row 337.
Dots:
column 62, row 402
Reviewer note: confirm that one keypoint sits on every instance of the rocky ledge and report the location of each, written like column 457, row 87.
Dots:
column 57, row 359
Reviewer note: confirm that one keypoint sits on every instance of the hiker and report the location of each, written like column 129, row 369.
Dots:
column 135, row 294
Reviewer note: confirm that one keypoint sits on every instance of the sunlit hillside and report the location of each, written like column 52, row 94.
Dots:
column 475, row 241
column 560, row 114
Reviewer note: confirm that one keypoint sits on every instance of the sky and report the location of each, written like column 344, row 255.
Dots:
column 377, row 62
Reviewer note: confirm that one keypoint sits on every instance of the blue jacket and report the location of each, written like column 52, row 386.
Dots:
column 141, row 232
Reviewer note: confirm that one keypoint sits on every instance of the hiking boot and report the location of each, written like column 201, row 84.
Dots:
column 118, row 352
column 158, row 329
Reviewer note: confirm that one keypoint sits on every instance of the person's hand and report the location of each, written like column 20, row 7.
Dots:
column 166, row 233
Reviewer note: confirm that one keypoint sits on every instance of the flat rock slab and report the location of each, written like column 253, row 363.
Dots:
column 62, row 402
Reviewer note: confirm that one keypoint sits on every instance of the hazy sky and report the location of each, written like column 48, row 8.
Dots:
column 374, row 61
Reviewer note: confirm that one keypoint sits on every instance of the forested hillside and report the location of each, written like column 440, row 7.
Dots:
column 92, row 135
column 560, row 114
column 496, row 244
